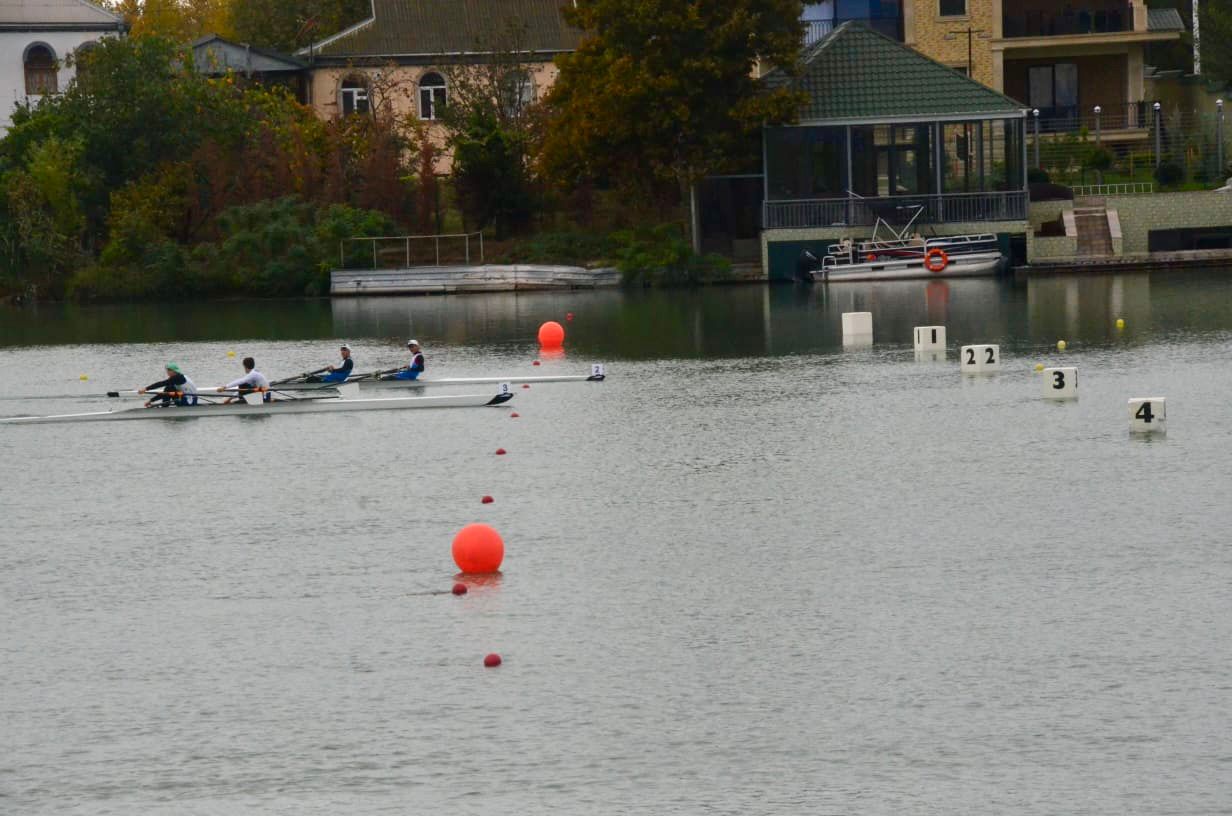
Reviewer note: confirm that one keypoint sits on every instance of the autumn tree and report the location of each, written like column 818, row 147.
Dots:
column 288, row 25
column 490, row 116
column 662, row 92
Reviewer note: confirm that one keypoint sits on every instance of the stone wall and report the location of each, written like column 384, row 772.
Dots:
column 1140, row 214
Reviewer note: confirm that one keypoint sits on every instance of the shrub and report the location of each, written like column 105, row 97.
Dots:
column 1037, row 175
column 1169, row 174
column 659, row 256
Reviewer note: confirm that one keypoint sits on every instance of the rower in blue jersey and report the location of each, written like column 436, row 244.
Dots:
column 416, row 366
column 340, row 373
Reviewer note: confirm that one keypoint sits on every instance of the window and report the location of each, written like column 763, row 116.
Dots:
column 517, row 92
column 40, row 70
column 431, row 96
column 354, row 96
column 1053, row 88
column 953, row 8
column 81, row 58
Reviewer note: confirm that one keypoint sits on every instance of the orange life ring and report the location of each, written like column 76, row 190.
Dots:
column 870, row 257
column 936, row 260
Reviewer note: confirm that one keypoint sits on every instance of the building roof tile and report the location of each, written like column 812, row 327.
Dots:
column 434, row 28
column 1164, row 19
column 856, row 73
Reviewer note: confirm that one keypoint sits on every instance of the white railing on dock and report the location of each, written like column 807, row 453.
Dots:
column 1131, row 188
column 399, row 246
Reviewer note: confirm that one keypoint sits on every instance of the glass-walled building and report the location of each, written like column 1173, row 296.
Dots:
column 886, row 128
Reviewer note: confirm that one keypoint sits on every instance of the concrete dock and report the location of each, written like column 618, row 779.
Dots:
column 439, row 280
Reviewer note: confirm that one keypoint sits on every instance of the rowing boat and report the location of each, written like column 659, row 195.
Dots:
column 386, row 381
column 255, row 407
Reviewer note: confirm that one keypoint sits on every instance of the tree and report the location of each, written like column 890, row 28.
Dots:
column 288, row 25
column 662, row 92
column 491, row 116
column 179, row 20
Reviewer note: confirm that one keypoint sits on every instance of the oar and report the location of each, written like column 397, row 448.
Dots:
column 300, row 377
column 371, row 375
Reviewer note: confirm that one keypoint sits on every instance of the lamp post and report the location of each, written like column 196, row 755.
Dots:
column 1098, row 111
column 1035, row 116
column 1156, row 108
column 1219, row 168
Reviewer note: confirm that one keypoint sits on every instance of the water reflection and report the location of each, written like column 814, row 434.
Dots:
column 717, row 322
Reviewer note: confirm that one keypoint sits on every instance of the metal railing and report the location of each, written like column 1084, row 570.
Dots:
column 1010, row 205
column 422, row 250
column 1118, row 115
column 1092, row 19
column 1128, row 188
column 817, row 30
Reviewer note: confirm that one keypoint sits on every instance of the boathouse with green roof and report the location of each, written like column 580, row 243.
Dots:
column 885, row 132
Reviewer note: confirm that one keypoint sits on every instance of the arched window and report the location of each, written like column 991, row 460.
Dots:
column 354, row 95
column 81, row 57
column 517, row 92
column 431, row 96
column 40, row 71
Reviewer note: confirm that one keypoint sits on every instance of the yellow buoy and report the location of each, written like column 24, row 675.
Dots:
column 1120, row 323
column 1039, row 367
column 230, row 353
column 83, row 378
column 1060, row 345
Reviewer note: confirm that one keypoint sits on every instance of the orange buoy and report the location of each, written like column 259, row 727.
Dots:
column 551, row 335
column 492, row 661
column 459, row 589
column 477, row 548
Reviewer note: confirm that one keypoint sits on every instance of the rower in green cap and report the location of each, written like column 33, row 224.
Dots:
column 177, row 389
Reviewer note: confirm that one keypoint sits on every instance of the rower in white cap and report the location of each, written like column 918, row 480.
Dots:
column 416, row 367
column 342, row 371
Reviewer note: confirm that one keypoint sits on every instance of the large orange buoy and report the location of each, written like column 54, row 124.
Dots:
column 551, row 334
column 477, row 548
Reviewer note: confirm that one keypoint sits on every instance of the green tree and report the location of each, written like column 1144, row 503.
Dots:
column 491, row 117
column 292, row 24
column 662, row 92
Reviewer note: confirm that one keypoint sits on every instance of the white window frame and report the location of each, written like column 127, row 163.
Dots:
column 432, row 98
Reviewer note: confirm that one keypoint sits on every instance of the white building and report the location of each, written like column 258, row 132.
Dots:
column 35, row 38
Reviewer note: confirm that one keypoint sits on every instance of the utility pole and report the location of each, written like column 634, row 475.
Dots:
column 1197, row 50
column 970, row 32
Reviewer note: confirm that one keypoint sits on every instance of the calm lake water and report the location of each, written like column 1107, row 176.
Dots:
column 752, row 572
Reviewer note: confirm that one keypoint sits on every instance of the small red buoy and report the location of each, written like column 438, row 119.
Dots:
column 535, row 363
column 526, row 385
column 459, row 589
column 569, row 316
column 492, row 661
column 500, row 451
column 487, row 500
column 514, row 415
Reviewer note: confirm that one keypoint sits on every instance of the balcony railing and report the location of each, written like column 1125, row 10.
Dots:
column 1071, row 119
column 817, row 30
column 1010, row 205
column 1095, row 19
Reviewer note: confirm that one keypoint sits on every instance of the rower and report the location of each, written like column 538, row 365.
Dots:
column 416, row 367
column 341, row 372
column 252, row 380
column 177, row 389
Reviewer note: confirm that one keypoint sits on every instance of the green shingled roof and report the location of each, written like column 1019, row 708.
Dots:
column 1164, row 19
column 427, row 28
column 856, row 73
